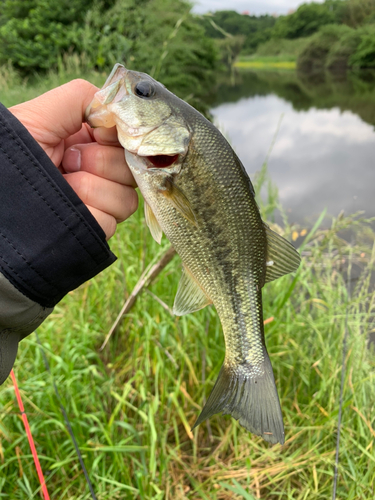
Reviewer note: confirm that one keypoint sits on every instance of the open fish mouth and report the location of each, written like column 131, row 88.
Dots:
column 161, row 161
column 168, row 164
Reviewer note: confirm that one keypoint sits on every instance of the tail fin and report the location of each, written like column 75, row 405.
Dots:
column 250, row 397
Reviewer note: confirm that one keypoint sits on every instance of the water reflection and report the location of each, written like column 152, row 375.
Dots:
column 322, row 158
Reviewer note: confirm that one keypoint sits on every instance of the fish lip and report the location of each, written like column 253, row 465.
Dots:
column 113, row 90
column 86, row 115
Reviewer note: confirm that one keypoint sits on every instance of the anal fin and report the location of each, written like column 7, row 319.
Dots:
column 282, row 257
column 250, row 396
column 189, row 297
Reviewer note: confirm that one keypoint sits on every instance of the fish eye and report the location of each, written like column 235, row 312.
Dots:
column 144, row 89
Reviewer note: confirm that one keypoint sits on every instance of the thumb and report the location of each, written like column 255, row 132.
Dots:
column 57, row 114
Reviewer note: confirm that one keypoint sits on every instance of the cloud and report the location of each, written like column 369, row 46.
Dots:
column 254, row 7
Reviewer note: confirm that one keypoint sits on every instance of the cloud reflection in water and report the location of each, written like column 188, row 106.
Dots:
column 321, row 158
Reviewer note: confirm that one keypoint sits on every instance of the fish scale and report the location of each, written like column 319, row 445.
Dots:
column 203, row 201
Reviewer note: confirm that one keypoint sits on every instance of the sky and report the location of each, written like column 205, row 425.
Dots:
column 254, row 7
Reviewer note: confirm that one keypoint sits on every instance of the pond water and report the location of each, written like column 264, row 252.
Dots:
column 323, row 155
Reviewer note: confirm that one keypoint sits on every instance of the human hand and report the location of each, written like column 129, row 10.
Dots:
column 92, row 161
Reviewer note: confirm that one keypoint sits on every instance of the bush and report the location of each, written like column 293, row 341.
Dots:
column 305, row 21
column 342, row 50
column 364, row 55
column 315, row 55
column 34, row 33
column 159, row 37
column 337, row 47
column 358, row 12
column 282, row 46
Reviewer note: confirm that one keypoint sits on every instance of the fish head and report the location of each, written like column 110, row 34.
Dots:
column 149, row 123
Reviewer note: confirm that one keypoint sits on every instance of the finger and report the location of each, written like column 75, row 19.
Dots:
column 84, row 136
column 106, row 136
column 106, row 222
column 104, row 161
column 115, row 199
column 60, row 111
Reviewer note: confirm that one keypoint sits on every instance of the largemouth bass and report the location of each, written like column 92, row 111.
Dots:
column 199, row 195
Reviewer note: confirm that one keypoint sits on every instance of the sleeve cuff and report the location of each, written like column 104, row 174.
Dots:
column 49, row 241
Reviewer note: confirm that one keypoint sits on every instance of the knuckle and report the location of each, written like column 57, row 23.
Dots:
column 133, row 201
column 99, row 159
column 129, row 204
column 111, row 228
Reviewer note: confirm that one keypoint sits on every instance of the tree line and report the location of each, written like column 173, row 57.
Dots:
column 334, row 34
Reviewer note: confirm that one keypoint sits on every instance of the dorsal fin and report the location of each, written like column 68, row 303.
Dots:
column 153, row 224
column 189, row 297
column 282, row 257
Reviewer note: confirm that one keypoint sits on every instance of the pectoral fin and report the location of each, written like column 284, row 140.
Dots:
column 153, row 224
column 189, row 297
column 178, row 200
column 282, row 257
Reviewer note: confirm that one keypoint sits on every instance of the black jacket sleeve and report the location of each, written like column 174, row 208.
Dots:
column 49, row 241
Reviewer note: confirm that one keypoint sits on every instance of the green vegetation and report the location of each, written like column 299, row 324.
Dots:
column 339, row 47
column 342, row 35
column 307, row 19
column 287, row 49
column 316, row 52
column 163, row 38
column 33, row 33
column 253, row 30
column 334, row 35
column 264, row 62
column 254, row 33
column 14, row 88
column 159, row 37
column 132, row 405
column 358, row 12
column 275, row 53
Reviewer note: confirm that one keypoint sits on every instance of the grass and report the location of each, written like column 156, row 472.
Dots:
column 274, row 54
column 265, row 62
column 14, row 89
column 132, row 405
